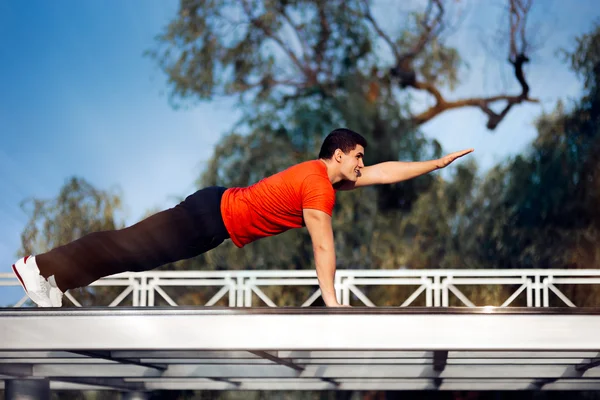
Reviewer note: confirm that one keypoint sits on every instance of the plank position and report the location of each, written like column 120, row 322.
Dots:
column 302, row 195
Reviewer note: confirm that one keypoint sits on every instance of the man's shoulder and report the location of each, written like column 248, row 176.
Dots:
column 296, row 175
column 305, row 176
column 306, row 168
column 313, row 178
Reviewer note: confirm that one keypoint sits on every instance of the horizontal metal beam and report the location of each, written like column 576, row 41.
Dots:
column 374, row 357
column 482, row 371
column 293, row 329
column 355, row 384
column 579, row 363
column 103, row 383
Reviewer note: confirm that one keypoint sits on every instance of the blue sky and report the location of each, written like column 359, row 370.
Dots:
column 77, row 97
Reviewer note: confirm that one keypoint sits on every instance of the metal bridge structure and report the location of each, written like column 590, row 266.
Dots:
column 240, row 338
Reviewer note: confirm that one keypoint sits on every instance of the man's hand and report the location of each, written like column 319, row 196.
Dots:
column 448, row 159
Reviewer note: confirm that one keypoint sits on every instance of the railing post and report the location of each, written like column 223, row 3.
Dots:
column 537, row 287
column 346, row 290
column 444, row 289
column 546, row 292
column 248, row 291
column 135, row 291
column 240, row 291
column 529, row 294
column 143, row 290
column 436, row 291
column 428, row 290
column 232, row 291
column 151, row 291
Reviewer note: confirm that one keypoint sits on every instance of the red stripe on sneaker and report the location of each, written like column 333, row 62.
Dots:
column 19, row 276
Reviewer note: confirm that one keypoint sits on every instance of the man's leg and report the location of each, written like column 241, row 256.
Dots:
column 187, row 230
column 162, row 238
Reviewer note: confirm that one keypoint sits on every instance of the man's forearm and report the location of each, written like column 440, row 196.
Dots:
column 398, row 171
column 321, row 234
column 325, row 265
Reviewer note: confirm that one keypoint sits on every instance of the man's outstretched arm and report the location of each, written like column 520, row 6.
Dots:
column 319, row 227
column 398, row 171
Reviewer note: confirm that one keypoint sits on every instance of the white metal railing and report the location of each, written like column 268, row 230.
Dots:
column 437, row 286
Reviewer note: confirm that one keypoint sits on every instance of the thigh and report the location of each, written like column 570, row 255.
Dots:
column 204, row 208
column 191, row 228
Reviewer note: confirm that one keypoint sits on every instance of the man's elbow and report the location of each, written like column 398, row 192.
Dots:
column 322, row 247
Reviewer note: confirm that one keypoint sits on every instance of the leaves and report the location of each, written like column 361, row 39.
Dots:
column 79, row 209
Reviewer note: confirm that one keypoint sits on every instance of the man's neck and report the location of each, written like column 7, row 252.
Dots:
column 332, row 172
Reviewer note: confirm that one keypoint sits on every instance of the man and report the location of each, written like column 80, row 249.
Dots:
column 302, row 195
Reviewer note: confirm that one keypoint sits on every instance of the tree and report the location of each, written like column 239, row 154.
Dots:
column 276, row 48
column 540, row 209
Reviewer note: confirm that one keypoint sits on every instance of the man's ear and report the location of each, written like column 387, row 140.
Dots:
column 337, row 156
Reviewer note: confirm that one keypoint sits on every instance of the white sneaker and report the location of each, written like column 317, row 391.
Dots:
column 42, row 291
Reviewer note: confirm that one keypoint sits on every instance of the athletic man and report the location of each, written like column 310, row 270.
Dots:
column 302, row 195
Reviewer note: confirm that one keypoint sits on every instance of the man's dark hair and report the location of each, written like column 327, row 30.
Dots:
column 343, row 139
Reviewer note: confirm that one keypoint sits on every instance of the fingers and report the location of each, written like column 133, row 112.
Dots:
column 458, row 154
column 447, row 160
column 464, row 152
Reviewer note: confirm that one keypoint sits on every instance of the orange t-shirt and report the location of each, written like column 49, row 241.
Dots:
column 274, row 204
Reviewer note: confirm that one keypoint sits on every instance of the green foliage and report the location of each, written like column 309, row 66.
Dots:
column 539, row 210
column 232, row 47
column 79, row 209
column 438, row 64
column 259, row 49
column 585, row 59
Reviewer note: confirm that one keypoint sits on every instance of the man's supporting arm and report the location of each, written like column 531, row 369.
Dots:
column 319, row 227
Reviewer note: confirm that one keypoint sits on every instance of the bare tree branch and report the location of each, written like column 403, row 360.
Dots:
column 380, row 32
column 432, row 25
column 267, row 83
column 430, row 29
column 518, row 11
column 267, row 31
column 404, row 70
column 483, row 103
column 324, row 34
column 298, row 32
column 431, row 89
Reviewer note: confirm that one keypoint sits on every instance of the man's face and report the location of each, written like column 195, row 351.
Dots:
column 351, row 163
